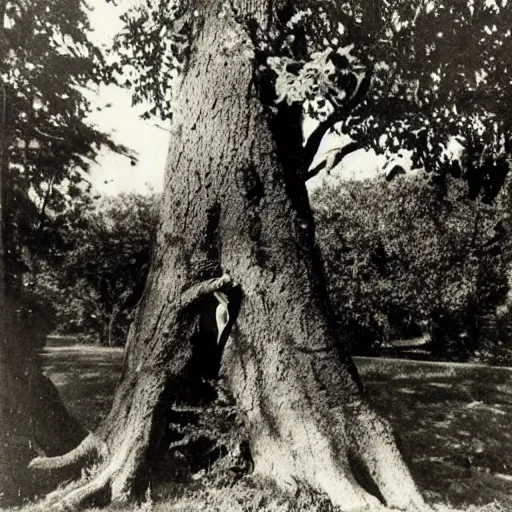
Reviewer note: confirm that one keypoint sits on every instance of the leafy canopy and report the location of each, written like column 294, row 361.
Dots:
column 405, row 254
column 393, row 75
column 103, row 270
column 47, row 62
column 440, row 72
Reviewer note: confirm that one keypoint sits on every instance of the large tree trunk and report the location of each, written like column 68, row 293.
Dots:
column 232, row 206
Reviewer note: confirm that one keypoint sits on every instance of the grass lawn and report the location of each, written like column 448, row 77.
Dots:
column 452, row 420
column 86, row 377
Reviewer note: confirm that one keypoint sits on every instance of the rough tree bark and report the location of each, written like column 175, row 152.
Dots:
column 234, row 206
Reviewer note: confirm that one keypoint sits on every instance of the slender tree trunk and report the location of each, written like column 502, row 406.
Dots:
column 3, row 157
column 232, row 206
column 111, row 324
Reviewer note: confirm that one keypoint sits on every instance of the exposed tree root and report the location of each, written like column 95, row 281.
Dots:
column 115, row 463
column 94, row 492
column 112, row 467
column 85, row 453
column 376, row 449
column 359, row 469
column 116, row 477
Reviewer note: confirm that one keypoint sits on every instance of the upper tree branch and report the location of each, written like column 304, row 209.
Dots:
column 338, row 157
column 339, row 114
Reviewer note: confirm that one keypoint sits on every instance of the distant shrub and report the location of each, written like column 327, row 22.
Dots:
column 412, row 255
column 99, row 277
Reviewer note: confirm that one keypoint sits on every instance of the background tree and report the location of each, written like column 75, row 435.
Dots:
column 46, row 62
column 98, row 280
column 403, row 253
column 48, row 66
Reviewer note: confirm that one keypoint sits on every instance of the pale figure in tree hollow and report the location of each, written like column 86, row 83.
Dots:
column 221, row 314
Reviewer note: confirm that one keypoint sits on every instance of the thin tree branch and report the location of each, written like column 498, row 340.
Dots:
column 338, row 157
column 337, row 116
column 155, row 125
column 206, row 287
column 44, row 134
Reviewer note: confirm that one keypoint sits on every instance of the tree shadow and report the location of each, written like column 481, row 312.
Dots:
column 453, row 424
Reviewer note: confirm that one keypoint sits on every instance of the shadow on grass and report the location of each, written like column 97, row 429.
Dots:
column 452, row 420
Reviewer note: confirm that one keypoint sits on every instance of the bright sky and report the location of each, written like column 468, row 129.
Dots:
column 355, row 166
column 112, row 173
